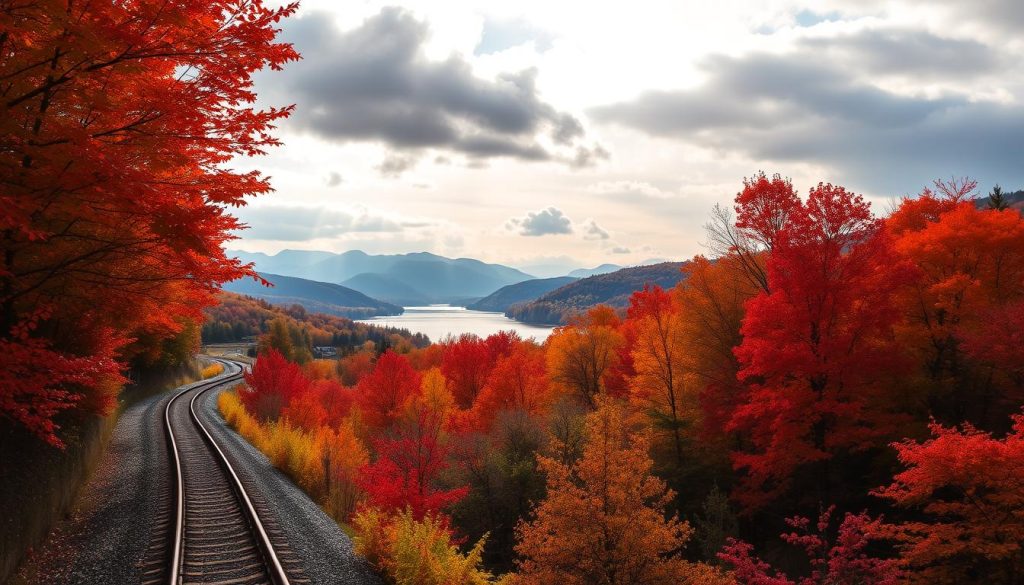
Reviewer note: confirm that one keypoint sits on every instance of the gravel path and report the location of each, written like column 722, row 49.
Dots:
column 105, row 540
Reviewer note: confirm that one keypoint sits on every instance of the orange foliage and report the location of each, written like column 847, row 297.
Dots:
column 580, row 354
column 661, row 363
column 355, row 367
column 214, row 369
column 970, row 285
column 603, row 520
column 711, row 302
column 517, row 382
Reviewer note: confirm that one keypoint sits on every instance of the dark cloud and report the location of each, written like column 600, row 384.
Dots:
column 914, row 53
column 374, row 83
column 306, row 223
column 1001, row 15
column 817, row 104
column 588, row 157
column 550, row 221
column 395, row 164
column 592, row 231
column 334, row 179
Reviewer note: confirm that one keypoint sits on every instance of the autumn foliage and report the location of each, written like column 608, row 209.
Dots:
column 843, row 560
column 827, row 364
column 970, row 488
column 603, row 520
column 214, row 369
column 115, row 121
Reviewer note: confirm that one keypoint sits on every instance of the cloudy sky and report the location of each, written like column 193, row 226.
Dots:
column 549, row 135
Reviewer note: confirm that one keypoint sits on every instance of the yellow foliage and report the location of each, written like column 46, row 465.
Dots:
column 323, row 463
column 371, row 540
column 432, row 407
column 417, row 552
column 214, row 369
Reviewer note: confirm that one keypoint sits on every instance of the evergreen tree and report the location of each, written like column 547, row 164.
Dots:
column 996, row 199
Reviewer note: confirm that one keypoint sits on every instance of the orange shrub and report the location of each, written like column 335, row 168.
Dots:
column 214, row 369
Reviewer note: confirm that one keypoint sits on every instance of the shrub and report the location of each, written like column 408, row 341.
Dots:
column 417, row 552
column 324, row 463
column 214, row 369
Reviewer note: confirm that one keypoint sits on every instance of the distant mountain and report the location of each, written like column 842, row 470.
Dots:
column 521, row 292
column 424, row 276
column 549, row 268
column 614, row 289
column 602, row 269
column 298, row 263
column 387, row 288
column 319, row 297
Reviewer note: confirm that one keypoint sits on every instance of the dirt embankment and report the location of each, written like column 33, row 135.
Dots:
column 39, row 484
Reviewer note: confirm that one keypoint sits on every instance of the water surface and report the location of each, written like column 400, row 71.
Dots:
column 439, row 321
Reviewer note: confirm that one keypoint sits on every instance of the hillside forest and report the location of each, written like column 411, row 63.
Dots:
column 833, row 397
column 237, row 318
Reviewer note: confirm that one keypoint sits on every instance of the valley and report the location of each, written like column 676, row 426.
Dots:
column 440, row 321
column 445, row 296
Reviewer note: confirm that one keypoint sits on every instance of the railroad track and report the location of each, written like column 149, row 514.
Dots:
column 211, row 531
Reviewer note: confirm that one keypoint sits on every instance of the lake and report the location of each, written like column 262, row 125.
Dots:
column 438, row 321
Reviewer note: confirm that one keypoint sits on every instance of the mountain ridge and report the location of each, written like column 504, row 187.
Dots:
column 434, row 278
column 500, row 300
column 314, row 296
column 614, row 288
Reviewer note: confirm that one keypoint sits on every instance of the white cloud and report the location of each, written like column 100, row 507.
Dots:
column 550, row 221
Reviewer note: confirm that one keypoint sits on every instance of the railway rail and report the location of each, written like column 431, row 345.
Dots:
column 213, row 531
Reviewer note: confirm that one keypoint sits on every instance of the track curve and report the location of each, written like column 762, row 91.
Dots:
column 217, row 535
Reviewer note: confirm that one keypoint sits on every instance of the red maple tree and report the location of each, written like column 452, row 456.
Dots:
column 816, row 347
column 116, row 119
column 466, row 363
column 381, row 393
column 273, row 383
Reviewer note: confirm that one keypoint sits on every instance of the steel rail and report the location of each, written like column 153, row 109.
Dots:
column 273, row 565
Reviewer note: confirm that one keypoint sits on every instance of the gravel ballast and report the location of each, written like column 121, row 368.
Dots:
column 325, row 550
column 106, row 539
